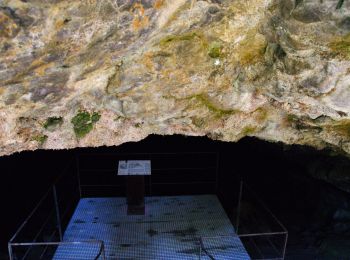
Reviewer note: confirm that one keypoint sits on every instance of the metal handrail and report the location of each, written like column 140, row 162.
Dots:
column 153, row 169
column 203, row 249
column 51, row 191
column 265, row 207
column 100, row 253
column 46, row 194
column 149, row 153
column 148, row 156
column 284, row 232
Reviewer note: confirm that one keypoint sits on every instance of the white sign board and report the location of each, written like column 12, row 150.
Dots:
column 133, row 167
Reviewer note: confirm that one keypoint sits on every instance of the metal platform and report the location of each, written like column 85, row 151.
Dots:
column 170, row 229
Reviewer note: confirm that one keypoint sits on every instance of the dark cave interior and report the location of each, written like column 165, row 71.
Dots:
column 308, row 190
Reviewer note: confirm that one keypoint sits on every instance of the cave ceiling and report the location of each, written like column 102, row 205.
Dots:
column 100, row 73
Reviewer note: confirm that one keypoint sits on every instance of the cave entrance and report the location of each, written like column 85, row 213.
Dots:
column 205, row 199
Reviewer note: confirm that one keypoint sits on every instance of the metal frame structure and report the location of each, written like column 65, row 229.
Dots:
column 283, row 232
column 80, row 189
column 28, row 246
column 243, row 187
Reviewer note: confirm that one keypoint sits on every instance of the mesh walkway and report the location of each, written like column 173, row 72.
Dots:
column 169, row 229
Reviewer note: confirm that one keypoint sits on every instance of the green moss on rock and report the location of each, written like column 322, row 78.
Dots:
column 138, row 125
column 204, row 100
column 252, row 49
column 343, row 128
column 95, row 117
column 41, row 139
column 341, row 46
column 52, row 123
column 214, row 50
column 176, row 38
column 198, row 122
column 83, row 122
column 249, row 130
column 291, row 118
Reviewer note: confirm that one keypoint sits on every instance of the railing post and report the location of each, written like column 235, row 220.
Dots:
column 150, row 177
column 78, row 173
column 239, row 206
column 57, row 212
column 285, row 246
column 9, row 246
column 217, row 172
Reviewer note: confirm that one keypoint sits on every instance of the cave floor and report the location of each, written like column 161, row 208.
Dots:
column 169, row 229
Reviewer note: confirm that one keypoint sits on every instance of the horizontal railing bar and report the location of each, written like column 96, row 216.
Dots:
column 105, row 185
column 278, row 258
column 151, row 153
column 153, row 169
column 183, row 183
column 246, row 235
column 57, row 243
column 263, row 234
column 153, row 183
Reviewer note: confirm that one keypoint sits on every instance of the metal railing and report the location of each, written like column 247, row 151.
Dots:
column 92, row 250
column 258, row 232
column 236, row 247
column 264, row 236
column 107, row 170
column 40, row 236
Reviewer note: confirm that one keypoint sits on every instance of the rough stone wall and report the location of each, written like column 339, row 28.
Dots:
column 91, row 73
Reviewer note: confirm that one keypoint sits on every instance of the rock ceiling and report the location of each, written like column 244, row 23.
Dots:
column 92, row 73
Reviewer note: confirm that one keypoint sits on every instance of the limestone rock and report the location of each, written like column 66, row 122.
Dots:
column 92, row 73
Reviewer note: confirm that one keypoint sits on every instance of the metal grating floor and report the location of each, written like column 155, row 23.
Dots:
column 169, row 229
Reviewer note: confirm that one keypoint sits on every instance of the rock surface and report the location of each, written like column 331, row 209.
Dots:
column 93, row 73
